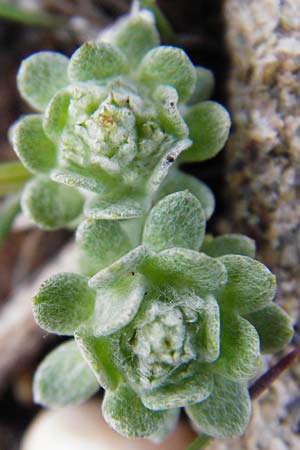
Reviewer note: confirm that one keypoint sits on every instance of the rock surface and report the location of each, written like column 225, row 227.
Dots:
column 263, row 157
column 263, row 187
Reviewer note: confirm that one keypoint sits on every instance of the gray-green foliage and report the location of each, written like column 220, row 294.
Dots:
column 112, row 121
column 168, row 326
column 162, row 316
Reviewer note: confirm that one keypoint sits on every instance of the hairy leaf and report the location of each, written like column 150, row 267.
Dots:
column 226, row 413
column 250, row 286
column 177, row 220
column 100, row 242
column 274, row 327
column 209, row 125
column 40, row 76
column 64, row 378
column 229, row 244
column 31, row 144
column 96, row 61
column 63, row 302
column 125, row 413
column 171, row 66
column 50, row 205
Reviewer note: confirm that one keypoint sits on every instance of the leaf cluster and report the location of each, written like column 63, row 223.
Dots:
column 160, row 315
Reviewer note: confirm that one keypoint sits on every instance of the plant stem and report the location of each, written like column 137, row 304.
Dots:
column 200, row 442
column 265, row 381
column 13, row 175
column 27, row 17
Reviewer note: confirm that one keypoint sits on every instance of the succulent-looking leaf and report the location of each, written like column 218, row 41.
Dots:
column 125, row 413
column 166, row 99
column 50, row 205
column 209, row 335
column 229, row 244
column 179, row 181
column 171, row 66
column 40, row 76
column 32, row 146
column 204, row 86
column 64, row 378
column 209, row 125
column 226, row 413
column 166, row 162
column 128, row 263
column 184, row 267
column 90, row 182
column 63, row 302
column 113, row 209
column 117, row 305
column 96, row 61
column 274, row 327
column 250, row 286
column 177, row 220
column 99, row 352
column 101, row 242
column 189, row 384
column 56, row 115
column 134, row 35
column 240, row 353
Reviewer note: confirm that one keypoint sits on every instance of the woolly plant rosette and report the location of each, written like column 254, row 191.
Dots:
column 111, row 122
column 162, row 316
column 163, row 327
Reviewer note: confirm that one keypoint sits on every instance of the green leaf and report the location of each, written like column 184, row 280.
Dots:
column 63, row 302
column 40, row 76
column 113, row 209
column 167, row 425
column 250, row 285
column 166, row 162
column 100, row 242
column 189, row 384
column 171, row 120
column 240, row 351
column 226, row 413
column 274, row 327
column 179, row 181
column 50, row 205
column 208, row 337
column 117, row 305
column 64, row 378
column 177, row 220
column 56, row 115
column 96, row 61
column 128, row 263
column 229, row 244
column 204, row 86
column 179, row 267
column 209, row 125
column 99, row 354
column 134, row 35
column 32, row 146
column 125, row 413
column 74, row 176
column 171, row 66
column 9, row 209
